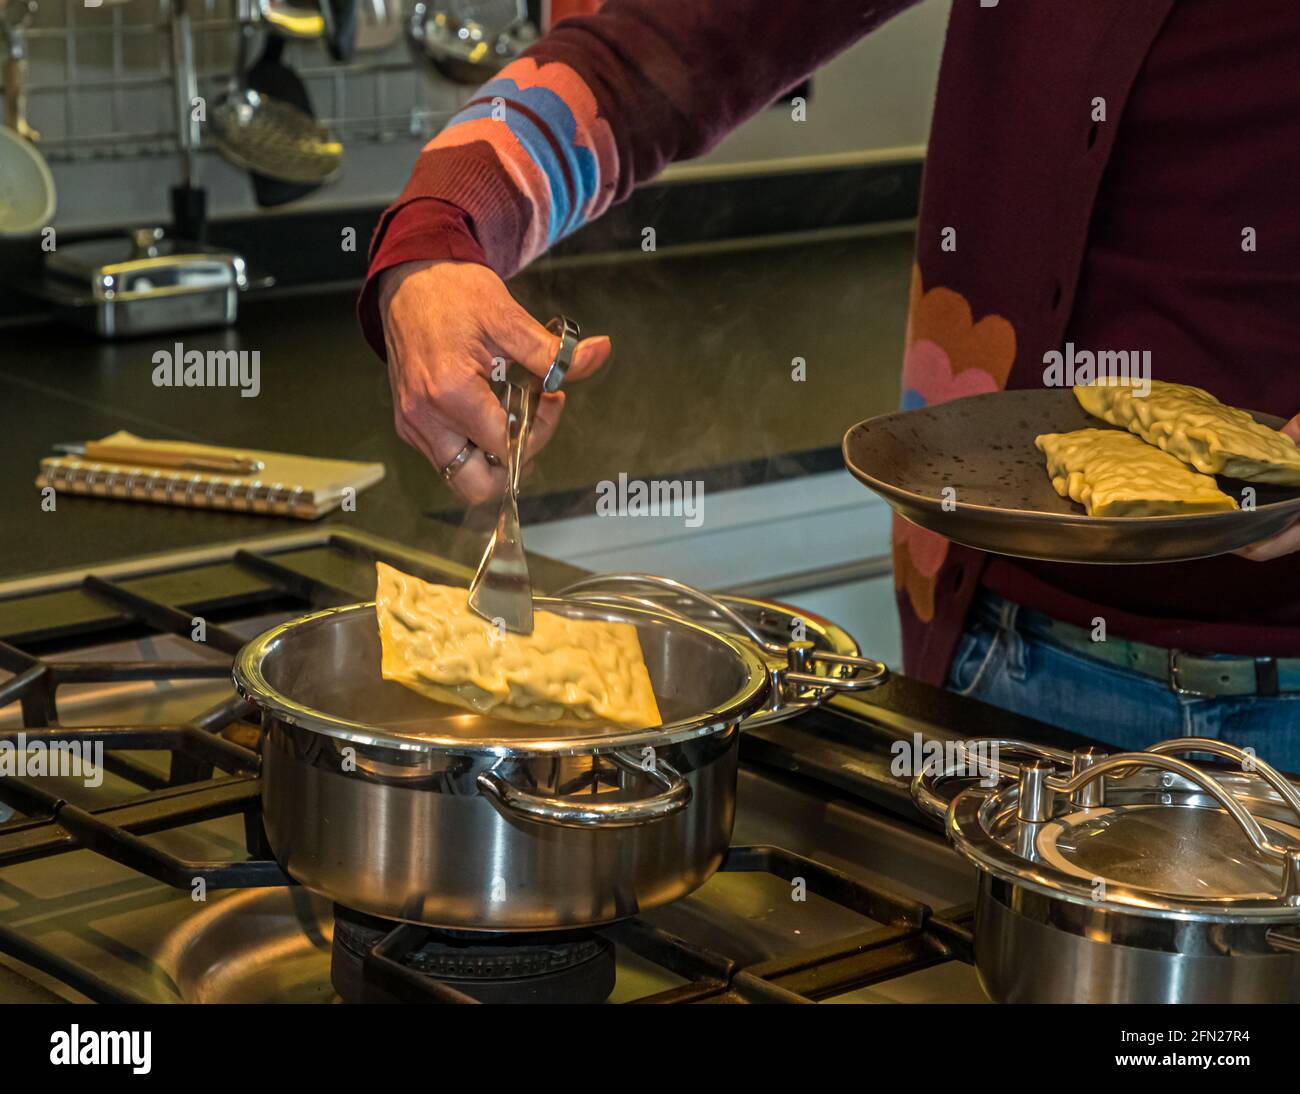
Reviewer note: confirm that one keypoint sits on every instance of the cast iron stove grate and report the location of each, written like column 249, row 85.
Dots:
column 913, row 939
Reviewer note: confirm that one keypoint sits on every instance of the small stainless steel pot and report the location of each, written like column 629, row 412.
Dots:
column 409, row 809
column 394, row 805
column 1132, row 878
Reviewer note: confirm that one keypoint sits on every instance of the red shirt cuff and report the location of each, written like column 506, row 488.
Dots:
column 419, row 229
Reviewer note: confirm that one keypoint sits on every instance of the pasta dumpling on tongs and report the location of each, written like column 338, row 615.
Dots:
column 568, row 670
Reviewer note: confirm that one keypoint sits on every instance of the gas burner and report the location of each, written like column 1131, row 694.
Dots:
column 547, row 967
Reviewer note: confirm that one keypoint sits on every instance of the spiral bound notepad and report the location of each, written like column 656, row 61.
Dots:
column 287, row 485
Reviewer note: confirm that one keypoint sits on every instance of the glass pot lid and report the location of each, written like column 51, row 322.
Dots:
column 1148, row 832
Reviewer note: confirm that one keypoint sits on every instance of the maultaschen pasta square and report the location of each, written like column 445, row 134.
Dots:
column 567, row 670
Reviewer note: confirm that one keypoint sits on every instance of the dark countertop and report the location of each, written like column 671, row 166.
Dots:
column 700, row 379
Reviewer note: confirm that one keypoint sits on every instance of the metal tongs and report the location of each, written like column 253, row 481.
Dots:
column 502, row 591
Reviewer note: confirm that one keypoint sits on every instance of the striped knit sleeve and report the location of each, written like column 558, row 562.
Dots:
column 598, row 105
column 529, row 158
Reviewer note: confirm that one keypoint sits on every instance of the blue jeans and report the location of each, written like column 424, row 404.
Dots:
column 998, row 663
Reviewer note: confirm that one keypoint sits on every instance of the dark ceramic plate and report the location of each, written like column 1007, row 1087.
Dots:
column 1002, row 500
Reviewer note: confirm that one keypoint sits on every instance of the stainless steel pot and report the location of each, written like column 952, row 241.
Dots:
column 395, row 805
column 1132, row 878
column 400, row 807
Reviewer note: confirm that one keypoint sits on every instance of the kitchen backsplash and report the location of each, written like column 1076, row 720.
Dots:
column 101, row 96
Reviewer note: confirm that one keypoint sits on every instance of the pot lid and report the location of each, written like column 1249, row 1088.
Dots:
column 1147, row 832
column 1175, row 851
column 809, row 658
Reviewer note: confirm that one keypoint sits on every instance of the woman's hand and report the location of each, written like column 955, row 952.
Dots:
column 444, row 323
column 1288, row 539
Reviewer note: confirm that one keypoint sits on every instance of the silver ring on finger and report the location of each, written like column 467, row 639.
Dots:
column 450, row 470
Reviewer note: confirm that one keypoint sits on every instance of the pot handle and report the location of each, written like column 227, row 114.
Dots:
column 1282, row 940
column 801, row 657
column 925, row 783
column 586, row 812
column 1122, row 764
column 926, row 798
column 667, row 586
column 1251, row 764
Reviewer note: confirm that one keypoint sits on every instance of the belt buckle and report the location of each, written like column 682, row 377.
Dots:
column 1266, row 682
column 1175, row 679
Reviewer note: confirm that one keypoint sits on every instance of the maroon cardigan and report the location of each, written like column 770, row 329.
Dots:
column 606, row 101
column 1016, row 161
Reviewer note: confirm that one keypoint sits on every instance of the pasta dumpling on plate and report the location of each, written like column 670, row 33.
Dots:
column 1190, row 423
column 1115, row 474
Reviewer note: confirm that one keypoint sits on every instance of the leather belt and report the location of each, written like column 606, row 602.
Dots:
column 1194, row 675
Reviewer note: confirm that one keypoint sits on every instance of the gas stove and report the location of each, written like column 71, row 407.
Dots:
column 151, row 881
